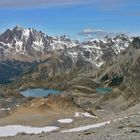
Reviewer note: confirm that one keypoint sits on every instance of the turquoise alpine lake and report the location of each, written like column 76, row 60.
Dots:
column 38, row 92
column 103, row 90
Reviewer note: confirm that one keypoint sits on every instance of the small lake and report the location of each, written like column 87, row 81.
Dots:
column 103, row 90
column 39, row 92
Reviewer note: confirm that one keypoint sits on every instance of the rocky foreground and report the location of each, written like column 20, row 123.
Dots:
column 122, row 126
column 75, row 116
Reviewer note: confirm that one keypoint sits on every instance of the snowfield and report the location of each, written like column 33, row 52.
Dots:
column 4, row 109
column 12, row 130
column 86, row 114
column 65, row 120
column 87, row 127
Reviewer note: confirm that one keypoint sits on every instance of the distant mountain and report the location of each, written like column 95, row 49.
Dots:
column 30, row 45
column 100, row 51
column 83, row 60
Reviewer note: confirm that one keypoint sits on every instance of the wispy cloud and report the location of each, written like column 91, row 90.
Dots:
column 109, row 5
column 136, row 14
column 112, row 4
column 95, row 33
column 39, row 3
column 102, row 5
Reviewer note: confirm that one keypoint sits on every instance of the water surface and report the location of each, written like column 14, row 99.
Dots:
column 39, row 92
column 103, row 90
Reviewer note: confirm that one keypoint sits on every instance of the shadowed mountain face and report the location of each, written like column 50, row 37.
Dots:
column 56, row 70
column 123, row 71
column 9, row 70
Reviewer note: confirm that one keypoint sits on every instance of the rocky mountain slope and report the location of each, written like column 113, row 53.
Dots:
column 122, row 74
column 30, row 45
column 21, row 48
column 9, row 70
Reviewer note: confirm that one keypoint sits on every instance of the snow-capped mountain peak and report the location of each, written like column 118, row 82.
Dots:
column 28, row 44
column 30, row 41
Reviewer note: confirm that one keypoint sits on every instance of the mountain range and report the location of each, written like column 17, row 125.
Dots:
column 21, row 45
column 98, row 81
column 30, row 44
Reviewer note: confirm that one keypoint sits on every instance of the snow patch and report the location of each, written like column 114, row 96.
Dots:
column 26, row 33
column 12, row 130
column 4, row 109
column 19, row 43
column 99, row 64
column 87, row 127
column 38, row 43
column 65, row 120
column 86, row 114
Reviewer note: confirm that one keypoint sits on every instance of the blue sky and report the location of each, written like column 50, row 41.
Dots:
column 79, row 18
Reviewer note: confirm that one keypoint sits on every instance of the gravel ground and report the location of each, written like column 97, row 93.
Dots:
column 125, row 125
column 127, row 128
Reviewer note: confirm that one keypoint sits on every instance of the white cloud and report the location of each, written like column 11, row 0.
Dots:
column 99, row 33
